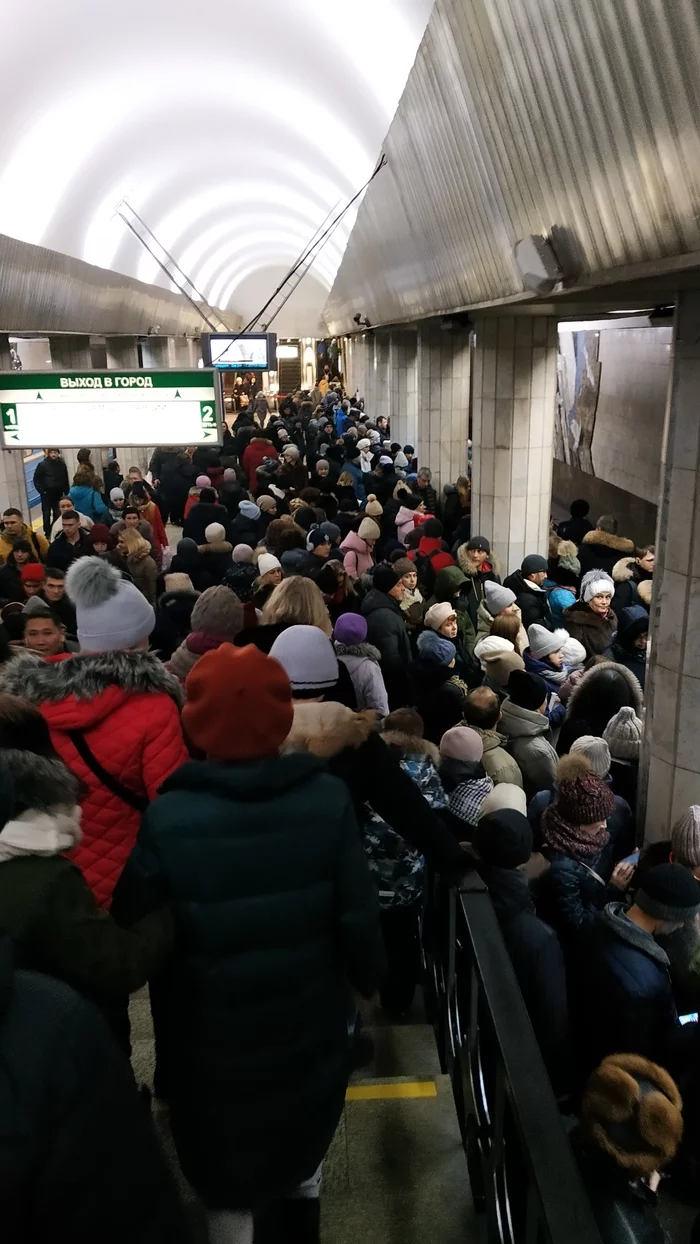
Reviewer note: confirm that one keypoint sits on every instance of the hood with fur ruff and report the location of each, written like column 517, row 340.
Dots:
column 591, row 675
column 86, row 676
column 412, row 745
column 40, row 782
column 326, row 729
column 623, row 570
column 367, row 651
column 619, row 543
column 467, row 564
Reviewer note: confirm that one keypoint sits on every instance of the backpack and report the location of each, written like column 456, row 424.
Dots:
column 426, row 572
column 398, row 870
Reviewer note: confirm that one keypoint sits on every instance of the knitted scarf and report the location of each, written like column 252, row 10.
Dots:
column 569, row 839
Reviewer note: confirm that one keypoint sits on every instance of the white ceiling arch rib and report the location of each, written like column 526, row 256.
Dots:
column 233, row 138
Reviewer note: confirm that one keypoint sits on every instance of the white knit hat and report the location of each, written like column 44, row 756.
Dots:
column 505, row 795
column 574, row 653
column 623, row 735
column 491, row 646
column 544, row 642
column 594, row 583
column 267, row 562
column 437, row 614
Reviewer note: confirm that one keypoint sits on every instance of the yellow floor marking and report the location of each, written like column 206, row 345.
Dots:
column 374, row 1092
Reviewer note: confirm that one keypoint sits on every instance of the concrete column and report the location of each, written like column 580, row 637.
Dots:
column 5, row 356
column 382, row 344
column 122, row 353
column 442, row 395
column 403, row 386
column 670, row 768
column 70, row 352
column 513, row 403
column 155, row 352
column 13, row 488
column 179, row 352
column 358, row 357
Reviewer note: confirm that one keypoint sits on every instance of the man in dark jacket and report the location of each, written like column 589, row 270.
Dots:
column 78, row 1156
column 206, row 511
column 386, row 629
column 277, row 920
column 51, row 482
column 630, row 643
column 629, row 573
column 70, row 543
column 530, row 596
column 601, row 548
column 578, row 526
column 161, row 456
column 624, row 987
column 504, row 843
column 426, row 492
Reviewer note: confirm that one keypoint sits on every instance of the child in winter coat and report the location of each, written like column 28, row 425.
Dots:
column 362, row 662
column 575, row 656
column 46, row 905
column 463, row 775
column 545, row 656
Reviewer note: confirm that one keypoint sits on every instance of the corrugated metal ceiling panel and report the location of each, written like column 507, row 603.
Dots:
column 528, row 116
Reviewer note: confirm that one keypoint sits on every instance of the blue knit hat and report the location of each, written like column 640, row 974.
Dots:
column 436, row 650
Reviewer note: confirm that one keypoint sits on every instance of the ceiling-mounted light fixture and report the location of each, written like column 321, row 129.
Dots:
column 538, row 264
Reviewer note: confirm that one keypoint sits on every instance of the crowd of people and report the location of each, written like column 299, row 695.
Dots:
column 229, row 768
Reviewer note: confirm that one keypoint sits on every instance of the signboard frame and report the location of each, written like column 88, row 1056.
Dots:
column 208, row 343
column 101, row 389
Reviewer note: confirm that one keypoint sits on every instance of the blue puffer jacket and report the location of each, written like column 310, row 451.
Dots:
column 87, row 501
column 357, row 481
column 556, row 712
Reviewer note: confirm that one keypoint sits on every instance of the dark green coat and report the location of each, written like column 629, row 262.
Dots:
column 275, row 918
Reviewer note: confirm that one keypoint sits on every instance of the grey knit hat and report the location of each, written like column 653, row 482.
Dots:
column 543, row 642
column 308, row 657
column 623, row 735
column 497, row 597
column 685, row 837
column 218, row 612
column 596, row 751
column 112, row 614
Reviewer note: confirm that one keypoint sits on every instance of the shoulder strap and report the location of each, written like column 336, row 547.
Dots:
column 80, row 743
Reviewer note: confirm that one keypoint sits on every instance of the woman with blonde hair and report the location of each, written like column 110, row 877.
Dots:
column 297, row 602
column 140, row 565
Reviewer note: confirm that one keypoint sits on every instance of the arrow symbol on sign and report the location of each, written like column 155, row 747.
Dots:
column 38, row 398
column 12, row 436
column 177, row 393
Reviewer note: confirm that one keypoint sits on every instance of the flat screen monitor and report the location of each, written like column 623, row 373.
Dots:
column 248, row 352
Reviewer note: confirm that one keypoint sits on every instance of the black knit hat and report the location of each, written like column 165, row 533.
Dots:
column 432, row 528
column 533, row 564
column 527, row 690
column 384, row 579
column 669, row 892
column 479, row 542
column 504, row 839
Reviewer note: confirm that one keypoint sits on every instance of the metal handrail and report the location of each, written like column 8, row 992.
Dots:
column 521, row 1166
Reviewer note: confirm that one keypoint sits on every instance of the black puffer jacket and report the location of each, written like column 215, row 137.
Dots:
column 79, row 1160
column 532, row 602
column 51, row 477
column 276, row 919
column 386, row 630
column 601, row 693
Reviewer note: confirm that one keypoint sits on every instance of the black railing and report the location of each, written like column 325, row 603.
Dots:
column 521, row 1166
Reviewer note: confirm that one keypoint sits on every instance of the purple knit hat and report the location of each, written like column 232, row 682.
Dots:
column 350, row 629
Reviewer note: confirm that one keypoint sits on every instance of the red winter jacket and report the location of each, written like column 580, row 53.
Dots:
column 129, row 708
column 253, row 456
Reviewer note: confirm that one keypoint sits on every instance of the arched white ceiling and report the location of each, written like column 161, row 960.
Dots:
column 234, row 128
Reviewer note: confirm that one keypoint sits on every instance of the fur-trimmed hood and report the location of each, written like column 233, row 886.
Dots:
column 594, row 672
column 623, row 570
column 40, row 782
column 324, row 730
column 85, row 678
column 216, row 546
column 468, row 565
column 619, row 543
column 411, row 745
column 363, row 651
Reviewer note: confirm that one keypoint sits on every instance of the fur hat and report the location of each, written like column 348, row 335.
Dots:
column 594, row 583
column 437, row 615
column 503, row 839
column 350, row 629
column 544, row 642
column 405, row 721
column 567, row 555
column 268, row 562
column 368, row 530
column 597, row 754
column 243, row 553
column 112, row 614
column 179, row 582
column 239, row 703
column 581, row 797
column 434, row 649
column 685, row 838
column 669, row 892
column 373, row 509
column 632, row 1111
column 527, row 690
column 308, row 657
column 462, row 743
column 214, row 533
column 218, row 612
column 497, row 597
column 505, row 795
column 623, row 735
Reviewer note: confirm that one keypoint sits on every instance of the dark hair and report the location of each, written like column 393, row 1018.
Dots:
column 642, row 550
column 291, row 537
column 482, row 708
column 130, row 509
column 304, row 517
column 83, row 455
column 311, row 496
column 579, row 509
column 54, row 572
column 412, row 538
column 432, row 528
column 5, row 650
column 12, row 511
column 607, row 523
column 22, row 726
column 408, row 449
column 45, row 615
column 208, row 495
column 68, row 514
